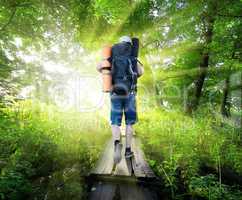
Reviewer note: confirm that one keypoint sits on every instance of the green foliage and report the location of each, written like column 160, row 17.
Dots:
column 44, row 151
column 178, row 145
column 209, row 188
column 41, row 153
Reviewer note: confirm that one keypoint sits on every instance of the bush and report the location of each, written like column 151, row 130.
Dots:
column 42, row 147
column 209, row 188
column 177, row 146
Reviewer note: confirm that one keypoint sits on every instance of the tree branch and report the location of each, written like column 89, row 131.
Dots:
column 176, row 76
column 233, row 16
column 9, row 20
column 13, row 14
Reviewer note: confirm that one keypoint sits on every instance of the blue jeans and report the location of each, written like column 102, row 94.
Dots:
column 123, row 105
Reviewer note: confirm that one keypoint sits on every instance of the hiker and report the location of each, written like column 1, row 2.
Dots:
column 125, row 69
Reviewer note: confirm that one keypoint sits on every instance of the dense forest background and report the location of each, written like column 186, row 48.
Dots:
column 54, row 117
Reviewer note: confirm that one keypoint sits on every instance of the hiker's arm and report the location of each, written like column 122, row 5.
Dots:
column 140, row 69
column 99, row 67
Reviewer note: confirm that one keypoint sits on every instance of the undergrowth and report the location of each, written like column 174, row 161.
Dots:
column 45, row 153
column 177, row 146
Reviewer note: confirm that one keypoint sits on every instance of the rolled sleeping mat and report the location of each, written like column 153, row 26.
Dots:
column 106, row 69
column 135, row 47
column 107, row 80
column 106, row 52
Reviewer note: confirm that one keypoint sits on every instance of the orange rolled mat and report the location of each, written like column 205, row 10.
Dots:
column 106, row 52
column 107, row 80
column 106, row 69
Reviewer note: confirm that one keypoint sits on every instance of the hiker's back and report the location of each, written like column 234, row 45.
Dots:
column 124, row 72
column 121, row 49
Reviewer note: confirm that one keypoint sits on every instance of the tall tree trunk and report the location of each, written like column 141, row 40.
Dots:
column 225, row 106
column 203, row 67
column 200, row 80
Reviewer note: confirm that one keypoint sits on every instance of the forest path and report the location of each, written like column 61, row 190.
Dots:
column 130, row 179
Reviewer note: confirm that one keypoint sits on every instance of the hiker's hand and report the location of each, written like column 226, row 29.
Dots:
column 140, row 69
column 99, row 67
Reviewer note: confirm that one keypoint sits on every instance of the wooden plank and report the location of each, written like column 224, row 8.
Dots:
column 102, row 191
column 140, row 166
column 121, row 190
column 112, row 179
column 105, row 162
column 137, row 164
column 136, row 192
column 124, row 168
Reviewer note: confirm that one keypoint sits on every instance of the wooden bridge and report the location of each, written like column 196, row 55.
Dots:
column 131, row 179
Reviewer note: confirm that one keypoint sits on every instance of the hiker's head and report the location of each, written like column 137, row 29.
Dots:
column 125, row 39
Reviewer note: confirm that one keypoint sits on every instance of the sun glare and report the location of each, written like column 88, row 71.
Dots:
column 73, row 82
column 53, row 67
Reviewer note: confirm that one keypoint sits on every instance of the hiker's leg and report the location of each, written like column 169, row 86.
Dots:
column 116, row 132
column 130, row 119
column 130, row 110
column 116, row 119
column 117, row 156
column 116, row 116
column 128, row 135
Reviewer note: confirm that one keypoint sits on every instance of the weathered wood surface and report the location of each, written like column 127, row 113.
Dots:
column 137, row 164
column 122, row 182
column 121, row 191
column 124, row 168
column 105, row 163
column 140, row 166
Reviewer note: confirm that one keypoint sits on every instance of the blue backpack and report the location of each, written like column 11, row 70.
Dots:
column 124, row 69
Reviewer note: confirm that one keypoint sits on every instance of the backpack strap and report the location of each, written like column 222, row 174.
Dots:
column 133, row 74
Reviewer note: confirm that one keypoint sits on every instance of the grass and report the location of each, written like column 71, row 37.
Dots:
column 44, row 152
column 177, row 146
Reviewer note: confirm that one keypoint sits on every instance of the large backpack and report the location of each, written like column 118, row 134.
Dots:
column 124, row 69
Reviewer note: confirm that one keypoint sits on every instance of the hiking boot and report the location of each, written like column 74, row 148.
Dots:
column 128, row 153
column 117, row 153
